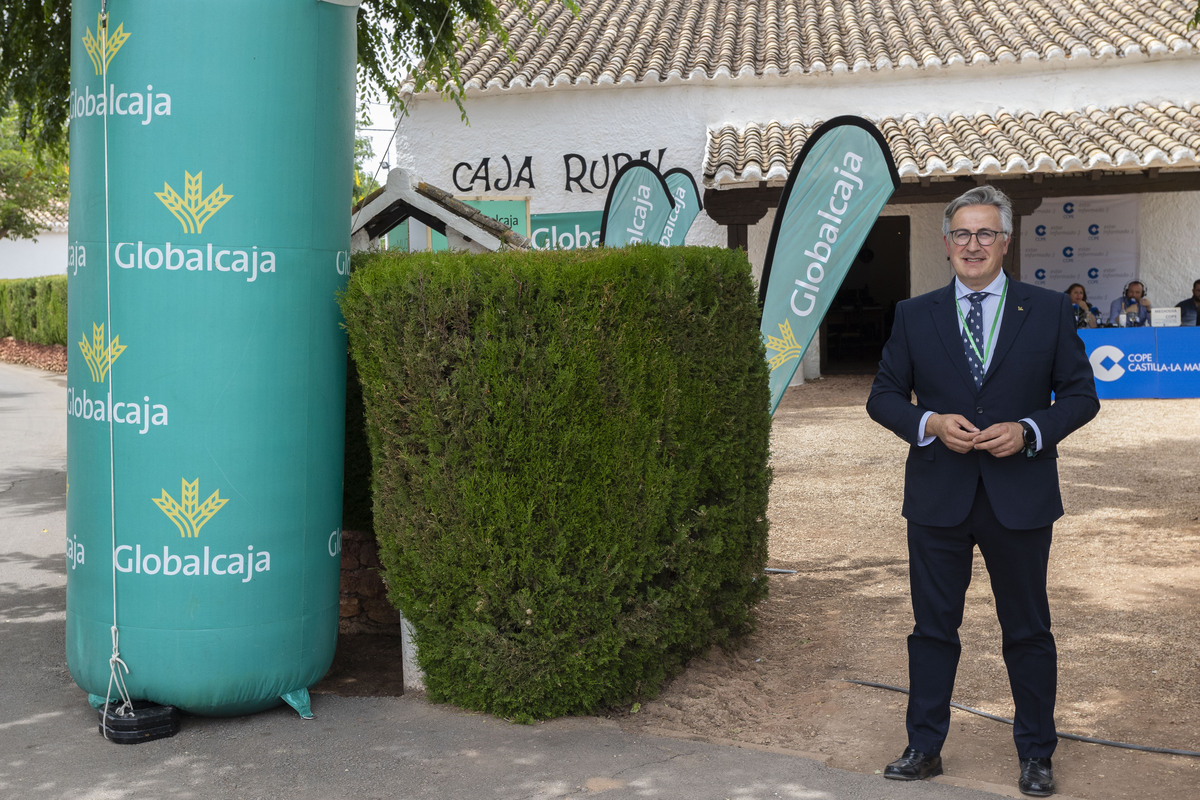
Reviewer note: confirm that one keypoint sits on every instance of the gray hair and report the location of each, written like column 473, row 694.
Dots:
column 981, row 196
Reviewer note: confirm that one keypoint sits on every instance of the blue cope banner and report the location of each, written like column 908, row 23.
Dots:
column 1144, row 362
column 840, row 182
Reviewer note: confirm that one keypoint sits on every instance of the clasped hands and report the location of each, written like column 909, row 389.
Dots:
column 957, row 433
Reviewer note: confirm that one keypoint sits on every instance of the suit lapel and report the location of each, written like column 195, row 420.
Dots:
column 945, row 322
column 1016, row 310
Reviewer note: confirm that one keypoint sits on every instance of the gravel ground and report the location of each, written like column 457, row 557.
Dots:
column 1124, row 594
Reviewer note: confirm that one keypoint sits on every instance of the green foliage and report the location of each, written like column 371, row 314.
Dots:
column 395, row 38
column 364, row 184
column 35, row 67
column 570, row 457
column 419, row 39
column 34, row 309
column 29, row 184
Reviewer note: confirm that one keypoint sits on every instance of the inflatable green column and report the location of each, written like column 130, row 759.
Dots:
column 211, row 171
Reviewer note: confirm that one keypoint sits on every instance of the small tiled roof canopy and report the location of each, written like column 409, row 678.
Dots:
column 644, row 41
column 1139, row 137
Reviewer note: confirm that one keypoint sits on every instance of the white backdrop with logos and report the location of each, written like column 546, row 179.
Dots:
column 1092, row 241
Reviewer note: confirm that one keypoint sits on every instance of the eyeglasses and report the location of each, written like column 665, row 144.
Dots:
column 984, row 236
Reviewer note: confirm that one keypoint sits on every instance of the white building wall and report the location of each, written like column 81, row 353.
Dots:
column 1169, row 257
column 566, row 143
column 566, row 140
column 758, row 239
column 24, row 258
column 565, row 130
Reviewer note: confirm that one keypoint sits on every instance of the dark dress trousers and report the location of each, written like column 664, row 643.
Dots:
column 1006, row 506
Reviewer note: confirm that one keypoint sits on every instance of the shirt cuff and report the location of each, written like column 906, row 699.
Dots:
column 1036, row 430
column 922, row 438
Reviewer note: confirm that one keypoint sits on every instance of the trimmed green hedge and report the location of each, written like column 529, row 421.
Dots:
column 34, row 309
column 570, row 465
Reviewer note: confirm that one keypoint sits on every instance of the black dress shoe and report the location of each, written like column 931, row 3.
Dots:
column 913, row 766
column 1037, row 777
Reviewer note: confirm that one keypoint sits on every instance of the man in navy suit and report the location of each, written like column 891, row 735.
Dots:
column 983, row 357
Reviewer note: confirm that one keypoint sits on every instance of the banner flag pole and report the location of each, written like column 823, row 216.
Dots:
column 840, row 182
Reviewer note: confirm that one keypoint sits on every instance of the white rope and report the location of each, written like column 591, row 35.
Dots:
column 115, row 664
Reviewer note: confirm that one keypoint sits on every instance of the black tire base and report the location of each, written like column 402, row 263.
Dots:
column 146, row 722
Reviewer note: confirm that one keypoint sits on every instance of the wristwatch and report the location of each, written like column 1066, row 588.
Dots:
column 1030, row 438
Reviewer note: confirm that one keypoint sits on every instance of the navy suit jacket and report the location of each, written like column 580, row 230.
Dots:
column 1037, row 354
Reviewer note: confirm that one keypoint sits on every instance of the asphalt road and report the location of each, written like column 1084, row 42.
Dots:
column 356, row 748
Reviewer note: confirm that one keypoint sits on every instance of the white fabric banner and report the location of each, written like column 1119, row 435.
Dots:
column 1092, row 241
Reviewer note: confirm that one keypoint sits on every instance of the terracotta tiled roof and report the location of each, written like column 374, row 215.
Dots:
column 647, row 41
column 1121, row 138
column 52, row 218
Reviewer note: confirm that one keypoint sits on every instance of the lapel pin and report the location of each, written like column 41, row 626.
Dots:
column 1020, row 308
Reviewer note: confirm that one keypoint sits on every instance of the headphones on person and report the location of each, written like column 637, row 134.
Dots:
column 1145, row 289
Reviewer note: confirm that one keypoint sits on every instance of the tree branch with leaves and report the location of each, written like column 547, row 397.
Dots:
column 419, row 39
column 31, row 186
column 35, row 68
column 396, row 38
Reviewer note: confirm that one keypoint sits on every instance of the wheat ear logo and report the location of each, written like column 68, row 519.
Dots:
column 189, row 516
column 190, row 210
column 97, row 354
column 100, row 51
column 785, row 345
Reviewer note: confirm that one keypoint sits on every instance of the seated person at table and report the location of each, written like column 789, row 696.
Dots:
column 1189, row 309
column 1133, row 300
column 1086, row 315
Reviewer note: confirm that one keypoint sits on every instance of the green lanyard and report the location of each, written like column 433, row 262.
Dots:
column 991, row 339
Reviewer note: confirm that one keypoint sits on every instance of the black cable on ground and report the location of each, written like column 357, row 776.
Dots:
column 1073, row 736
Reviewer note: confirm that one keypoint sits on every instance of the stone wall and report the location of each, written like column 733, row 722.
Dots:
column 364, row 604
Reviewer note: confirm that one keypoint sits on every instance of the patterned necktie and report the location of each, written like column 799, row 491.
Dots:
column 974, row 327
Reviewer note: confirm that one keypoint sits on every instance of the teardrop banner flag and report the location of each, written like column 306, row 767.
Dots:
column 834, row 193
column 683, row 191
column 638, row 206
